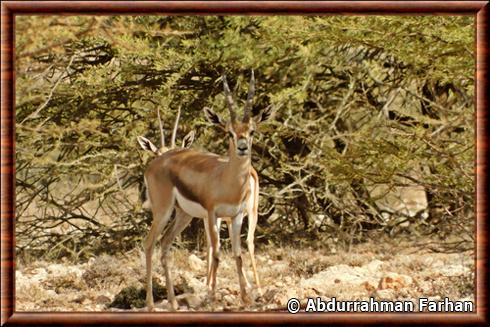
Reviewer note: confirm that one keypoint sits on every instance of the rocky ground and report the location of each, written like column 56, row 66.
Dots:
column 112, row 283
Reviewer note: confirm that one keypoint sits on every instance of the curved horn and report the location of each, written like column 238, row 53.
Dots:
column 229, row 99
column 174, row 132
column 162, row 136
column 248, row 104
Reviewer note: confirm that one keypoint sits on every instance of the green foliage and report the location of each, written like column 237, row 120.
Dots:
column 359, row 102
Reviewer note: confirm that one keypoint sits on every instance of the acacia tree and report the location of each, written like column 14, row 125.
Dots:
column 352, row 112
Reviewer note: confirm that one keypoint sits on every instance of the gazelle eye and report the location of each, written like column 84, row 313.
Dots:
column 252, row 133
column 230, row 134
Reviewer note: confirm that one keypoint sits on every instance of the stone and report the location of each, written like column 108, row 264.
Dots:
column 192, row 301
column 196, row 263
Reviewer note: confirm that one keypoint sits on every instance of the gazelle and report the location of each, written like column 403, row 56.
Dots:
column 147, row 145
column 204, row 185
column 252, row 205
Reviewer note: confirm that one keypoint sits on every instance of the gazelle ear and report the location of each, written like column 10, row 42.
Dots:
column 263, row 115
column 146, row 144
column 212, row 117
column 188, row 139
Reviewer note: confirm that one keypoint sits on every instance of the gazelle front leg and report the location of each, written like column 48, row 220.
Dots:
column 237, row 253
column 213, row 237
column 208, row 246
column 229, row 223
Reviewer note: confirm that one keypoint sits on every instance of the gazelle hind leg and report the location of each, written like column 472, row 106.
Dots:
column 160, row 219
column 251, row 248
column 181, row 221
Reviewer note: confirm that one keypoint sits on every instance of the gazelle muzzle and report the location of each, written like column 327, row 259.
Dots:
column 242, row 147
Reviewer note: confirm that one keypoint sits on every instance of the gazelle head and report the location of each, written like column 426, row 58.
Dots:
column 240, row 131
column 147, row 145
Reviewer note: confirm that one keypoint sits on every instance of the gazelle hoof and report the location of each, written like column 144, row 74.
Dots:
column 174, row 306
column 246, row 300
column 211, row 295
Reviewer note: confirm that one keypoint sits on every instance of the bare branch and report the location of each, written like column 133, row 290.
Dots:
column 41, row 107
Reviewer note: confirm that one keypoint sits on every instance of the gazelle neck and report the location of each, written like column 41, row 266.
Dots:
column 238, row 165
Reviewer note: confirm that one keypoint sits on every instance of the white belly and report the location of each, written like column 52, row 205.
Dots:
column 192, row 208
column 195, row 209
column 228, row 210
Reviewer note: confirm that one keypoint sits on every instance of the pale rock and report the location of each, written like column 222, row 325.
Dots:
column 35, row 276
column 374, row 265
column 196, row 263
column 454, row 270
column 51, row 293
column 344, row 275
column 229, row 299
column 192, row 301
column 279, row 284
column 386, row 294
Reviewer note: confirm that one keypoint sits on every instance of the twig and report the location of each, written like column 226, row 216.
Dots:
column 384, row 110
column 344, row 104
column 41, row 107
column 116, row 173
column 57, row 44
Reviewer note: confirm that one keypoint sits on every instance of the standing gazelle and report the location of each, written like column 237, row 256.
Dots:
column 252, row 205
column 205, row 185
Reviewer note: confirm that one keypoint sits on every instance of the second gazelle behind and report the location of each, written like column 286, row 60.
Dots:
column 205, row 185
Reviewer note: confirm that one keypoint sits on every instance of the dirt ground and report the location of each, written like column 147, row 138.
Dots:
column 393, row 271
